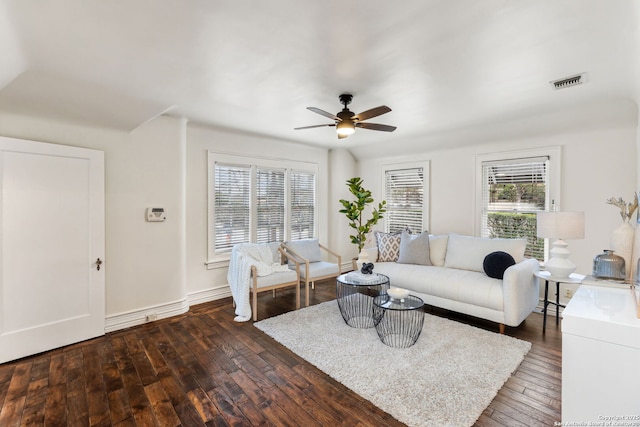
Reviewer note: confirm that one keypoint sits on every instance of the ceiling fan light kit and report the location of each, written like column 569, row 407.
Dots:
column 346, row 122
column 345, row 128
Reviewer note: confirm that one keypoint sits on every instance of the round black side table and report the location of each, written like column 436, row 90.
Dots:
column 355, row 295
column 398, row 322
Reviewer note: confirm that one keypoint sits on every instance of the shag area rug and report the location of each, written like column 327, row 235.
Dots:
column 447, row 378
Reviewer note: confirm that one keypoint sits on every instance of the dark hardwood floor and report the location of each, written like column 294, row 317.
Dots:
column 202, row 368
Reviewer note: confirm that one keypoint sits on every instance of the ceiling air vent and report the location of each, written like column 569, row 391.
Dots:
column 568, row 82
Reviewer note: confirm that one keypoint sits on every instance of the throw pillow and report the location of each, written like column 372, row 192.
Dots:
column 496, row 263
column 388, row 245
column 438, row 249
column 307, row 248
column 414, row 249
column 468, row 252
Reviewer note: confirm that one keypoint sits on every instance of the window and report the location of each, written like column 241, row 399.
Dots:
column 512, row 191
column 232, row 206
column 270, row 193
column 258, row 200
column 303, row 205
column 405, row 195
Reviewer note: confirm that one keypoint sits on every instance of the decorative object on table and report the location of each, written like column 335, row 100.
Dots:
column 360, row 277
column 367, row 268
column 354, row 211
column 609, row 266
column 363, row 258
column 559, row 226
column 398, row 293
column 622, row 236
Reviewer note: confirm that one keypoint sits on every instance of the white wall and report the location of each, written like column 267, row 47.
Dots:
column 598, row 162
column 203, row 284
column 144, row 265
column 342, row 167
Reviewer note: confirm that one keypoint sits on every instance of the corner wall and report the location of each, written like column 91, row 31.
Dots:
column 343, row 167
column 144, row 262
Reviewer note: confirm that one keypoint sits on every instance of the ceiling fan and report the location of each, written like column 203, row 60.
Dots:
column 346, row 122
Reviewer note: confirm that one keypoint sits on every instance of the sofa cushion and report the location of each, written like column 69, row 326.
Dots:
column 496, row 263
column 388, row 246
column 468, row 253
column 464, row 286
column 414, row 249
column 438, row 249
column 307, row 248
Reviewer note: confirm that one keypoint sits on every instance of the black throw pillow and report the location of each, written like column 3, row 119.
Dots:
column 496, row 263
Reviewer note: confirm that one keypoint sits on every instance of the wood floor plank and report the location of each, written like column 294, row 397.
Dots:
column 161, row 405
column 202, row 369
column 119, row 408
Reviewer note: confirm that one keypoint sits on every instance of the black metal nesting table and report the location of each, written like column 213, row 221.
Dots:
column 355, row 297
column 398, row 322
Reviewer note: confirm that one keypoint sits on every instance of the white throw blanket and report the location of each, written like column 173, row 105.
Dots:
column 243, row 256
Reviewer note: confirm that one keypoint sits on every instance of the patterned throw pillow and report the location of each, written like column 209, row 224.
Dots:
column 389, row 245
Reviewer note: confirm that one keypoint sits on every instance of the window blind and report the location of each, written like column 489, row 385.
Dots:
column 404, row 190
column 232, row 203
column 270, row 198
column 303, row 201
column 512, row 192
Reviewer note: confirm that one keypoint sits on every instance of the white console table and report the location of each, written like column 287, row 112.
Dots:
column 601, row 357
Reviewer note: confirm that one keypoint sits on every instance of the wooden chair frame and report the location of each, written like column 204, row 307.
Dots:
column 255, row 289
column 304, row 263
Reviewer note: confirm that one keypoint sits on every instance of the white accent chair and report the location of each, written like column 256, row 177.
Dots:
column 308, row 252
column 274, row 281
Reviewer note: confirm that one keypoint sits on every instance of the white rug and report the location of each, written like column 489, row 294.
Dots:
column 447, row 378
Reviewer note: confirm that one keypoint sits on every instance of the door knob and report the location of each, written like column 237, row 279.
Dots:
column 98, row 264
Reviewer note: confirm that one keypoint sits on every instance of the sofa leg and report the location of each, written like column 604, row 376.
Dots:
column 502, row 328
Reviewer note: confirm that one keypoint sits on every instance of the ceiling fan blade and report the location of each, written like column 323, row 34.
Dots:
column 323, row 113
column 314, row 126
column 374, row 112
column 376, row 126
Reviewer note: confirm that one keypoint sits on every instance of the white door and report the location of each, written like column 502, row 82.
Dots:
column 51, row 236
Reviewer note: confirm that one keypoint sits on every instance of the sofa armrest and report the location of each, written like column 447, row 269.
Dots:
column 521, row 291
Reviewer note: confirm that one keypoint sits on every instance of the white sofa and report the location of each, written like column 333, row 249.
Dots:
column 456, row 279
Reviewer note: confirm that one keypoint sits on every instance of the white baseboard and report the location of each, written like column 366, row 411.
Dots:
column 206, row 295
column 551, row 308
column 119, row 321
column 346, row 266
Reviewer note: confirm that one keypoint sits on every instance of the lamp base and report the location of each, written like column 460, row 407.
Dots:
column 559, row 264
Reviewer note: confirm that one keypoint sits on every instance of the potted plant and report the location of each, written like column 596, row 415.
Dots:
column 354, row 210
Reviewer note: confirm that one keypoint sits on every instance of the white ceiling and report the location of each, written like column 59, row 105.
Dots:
column 443, row 66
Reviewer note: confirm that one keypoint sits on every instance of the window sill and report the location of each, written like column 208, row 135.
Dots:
column 217, row 263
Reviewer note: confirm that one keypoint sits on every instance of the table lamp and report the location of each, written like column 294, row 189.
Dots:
column 560, row 225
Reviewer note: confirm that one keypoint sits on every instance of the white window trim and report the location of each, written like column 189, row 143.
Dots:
column 555, row 167
column 222, row 260
column 426, row 199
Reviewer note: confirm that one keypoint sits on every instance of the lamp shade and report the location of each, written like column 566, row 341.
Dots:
column 560, row 225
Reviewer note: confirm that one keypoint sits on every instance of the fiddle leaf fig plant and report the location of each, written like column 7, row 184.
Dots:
column 354, row 210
